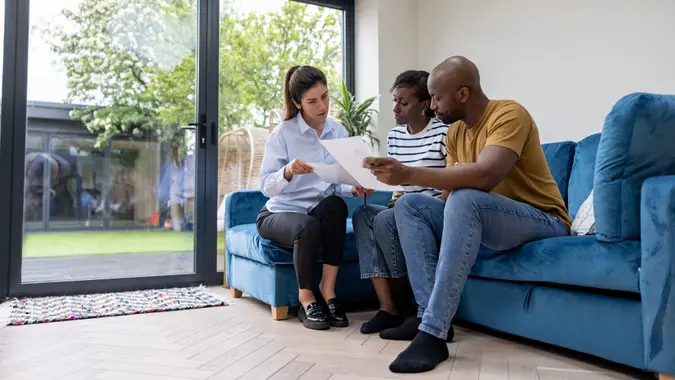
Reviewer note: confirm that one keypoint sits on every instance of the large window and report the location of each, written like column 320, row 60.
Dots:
column 110, row 84
column 110, row 162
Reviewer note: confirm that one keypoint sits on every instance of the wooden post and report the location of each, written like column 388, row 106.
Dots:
column 235, row 293
column 279, row 313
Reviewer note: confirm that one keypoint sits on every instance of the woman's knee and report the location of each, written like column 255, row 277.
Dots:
column 385, row 218
column 308, row 231
column 364, row 216
column 336, row 205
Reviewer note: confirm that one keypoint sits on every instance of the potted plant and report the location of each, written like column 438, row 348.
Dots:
column 357, row 117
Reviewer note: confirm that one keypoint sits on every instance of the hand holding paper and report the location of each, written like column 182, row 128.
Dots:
column 333, row 174
column 350, row 153
column 387, row 170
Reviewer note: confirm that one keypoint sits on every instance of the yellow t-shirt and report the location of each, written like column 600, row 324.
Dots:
column 506, row 123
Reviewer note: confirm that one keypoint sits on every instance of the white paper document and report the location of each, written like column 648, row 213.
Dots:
column 333, row 174
column 350, row 153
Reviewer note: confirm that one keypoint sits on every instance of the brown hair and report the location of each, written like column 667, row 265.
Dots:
column 298, row 80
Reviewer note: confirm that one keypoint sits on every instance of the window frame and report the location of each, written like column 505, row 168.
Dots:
column 348, row 36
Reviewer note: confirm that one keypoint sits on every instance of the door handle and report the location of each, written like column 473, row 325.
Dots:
column 201, row 133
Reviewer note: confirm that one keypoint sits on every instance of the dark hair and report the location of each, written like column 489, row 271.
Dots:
column 299, row 79
column 417, row 80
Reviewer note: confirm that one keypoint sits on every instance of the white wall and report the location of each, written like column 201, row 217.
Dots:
column 567, row 61
column 386, row 45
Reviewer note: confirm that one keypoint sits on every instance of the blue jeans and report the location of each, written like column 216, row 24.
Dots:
column 466, row 220
column 380, row 253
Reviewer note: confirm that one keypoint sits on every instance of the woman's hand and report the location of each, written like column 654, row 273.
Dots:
column 443, row 196
column 359, row 191
column 394, row 198
column 296, row 166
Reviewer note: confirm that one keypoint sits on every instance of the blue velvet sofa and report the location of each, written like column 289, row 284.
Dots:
column 264, row 270
column 611, row 295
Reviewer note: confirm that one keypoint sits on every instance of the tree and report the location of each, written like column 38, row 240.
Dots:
column 132, row 62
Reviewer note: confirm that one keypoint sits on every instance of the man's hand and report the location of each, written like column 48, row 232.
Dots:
column 387, row 170
column 359, row 191
column 296, row 166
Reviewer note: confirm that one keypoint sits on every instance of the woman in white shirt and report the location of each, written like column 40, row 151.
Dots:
column 305, row 212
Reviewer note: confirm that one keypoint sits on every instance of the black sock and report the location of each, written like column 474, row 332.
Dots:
column 406, row 331
column 382, row 320
column 423, row 354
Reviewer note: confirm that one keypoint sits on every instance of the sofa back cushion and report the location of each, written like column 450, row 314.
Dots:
column 581, row 176
column 560, row 156
column 637, row 143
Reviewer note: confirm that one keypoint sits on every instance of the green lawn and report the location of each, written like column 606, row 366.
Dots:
column 108, row 242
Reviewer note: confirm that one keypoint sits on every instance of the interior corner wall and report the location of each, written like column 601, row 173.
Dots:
column 386, row 44
column 568, row 62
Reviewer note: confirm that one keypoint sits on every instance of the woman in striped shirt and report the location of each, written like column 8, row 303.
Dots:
column 417, row 140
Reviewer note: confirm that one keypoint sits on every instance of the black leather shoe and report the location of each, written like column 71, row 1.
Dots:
column 336, row 315
column 313, row 317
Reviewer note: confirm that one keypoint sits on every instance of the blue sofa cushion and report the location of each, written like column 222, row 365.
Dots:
column 243, row 240
column 560, row 156
column 581, row 177
column 636, row 144
column 570, row 260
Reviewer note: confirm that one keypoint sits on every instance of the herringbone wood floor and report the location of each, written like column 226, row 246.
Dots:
column 243, row 342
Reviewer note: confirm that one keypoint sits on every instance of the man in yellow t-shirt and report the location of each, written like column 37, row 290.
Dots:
column 502, row 195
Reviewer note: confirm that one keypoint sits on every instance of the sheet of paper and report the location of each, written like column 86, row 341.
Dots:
column 333, row 174
column 349, row 153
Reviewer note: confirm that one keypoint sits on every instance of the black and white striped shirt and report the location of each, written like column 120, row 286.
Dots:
column 426, row 148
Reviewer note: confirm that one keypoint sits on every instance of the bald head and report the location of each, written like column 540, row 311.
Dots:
column 455, row 89
column 456, row 72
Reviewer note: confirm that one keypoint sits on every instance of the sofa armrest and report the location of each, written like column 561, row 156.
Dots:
column 242, row 207
column 657, row 272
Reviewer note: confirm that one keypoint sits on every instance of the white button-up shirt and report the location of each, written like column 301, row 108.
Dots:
column 293, row 139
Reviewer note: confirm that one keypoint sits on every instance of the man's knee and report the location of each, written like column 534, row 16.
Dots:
column 463, row 199
column 461, row 196
column 410, row 201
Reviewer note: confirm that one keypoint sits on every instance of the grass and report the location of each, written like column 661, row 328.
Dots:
column 108, row 243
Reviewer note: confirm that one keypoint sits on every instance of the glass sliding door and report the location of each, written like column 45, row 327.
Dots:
column 112, row 153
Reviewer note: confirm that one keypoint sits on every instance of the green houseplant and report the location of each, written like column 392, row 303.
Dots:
column 357, row 117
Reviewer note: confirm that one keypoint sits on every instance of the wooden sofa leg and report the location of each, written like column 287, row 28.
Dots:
column 235, row 293
column 279, row 313
column 663, row 376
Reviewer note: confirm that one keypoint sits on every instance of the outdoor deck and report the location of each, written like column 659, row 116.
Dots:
column 90, row 267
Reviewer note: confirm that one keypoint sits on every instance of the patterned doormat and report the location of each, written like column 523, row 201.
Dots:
column 52, row 309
